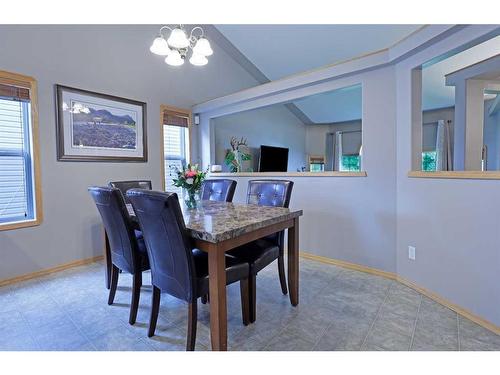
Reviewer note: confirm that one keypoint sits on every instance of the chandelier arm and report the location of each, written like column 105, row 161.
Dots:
column 191, row 35
column 165, row 27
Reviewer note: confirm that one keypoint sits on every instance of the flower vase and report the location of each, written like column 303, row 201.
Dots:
column 191, row 198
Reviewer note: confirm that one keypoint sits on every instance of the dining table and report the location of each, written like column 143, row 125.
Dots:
column 217, row 227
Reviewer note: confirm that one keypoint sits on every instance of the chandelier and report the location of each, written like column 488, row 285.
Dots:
column 176, row 47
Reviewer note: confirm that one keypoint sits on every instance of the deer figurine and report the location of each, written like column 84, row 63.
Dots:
column 238, row 155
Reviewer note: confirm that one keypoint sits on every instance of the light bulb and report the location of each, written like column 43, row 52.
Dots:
column 160, row 47
column 174, row 59
column 202, row 47
column 198, row 60
column 178, row 38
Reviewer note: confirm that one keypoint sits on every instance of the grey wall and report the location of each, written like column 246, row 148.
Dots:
column 454, row 224
column 109, row 59
column 271, row 126
column 354, row 218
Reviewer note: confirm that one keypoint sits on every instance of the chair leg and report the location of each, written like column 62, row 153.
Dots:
column 245, row 303
column 155, row 308
column 113, row 284
column 281, row 273
column 136, row 295
column 192, row 323
column 252, row 281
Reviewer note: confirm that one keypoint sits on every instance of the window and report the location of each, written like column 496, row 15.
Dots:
column 175, row 130
column 20, row 204
column 350, row 163
column 316, row 163
column 455, row 106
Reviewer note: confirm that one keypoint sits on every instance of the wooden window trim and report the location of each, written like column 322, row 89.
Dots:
column 456, row 175
column 31, row 83
column 174, row 111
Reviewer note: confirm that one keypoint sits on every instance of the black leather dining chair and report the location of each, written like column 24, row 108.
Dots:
column 221, row 190
column 176, row 267
column 127, row 249
column 132, row 184
column 260, row 253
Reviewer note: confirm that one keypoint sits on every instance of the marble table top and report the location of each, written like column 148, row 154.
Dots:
column 219, row 221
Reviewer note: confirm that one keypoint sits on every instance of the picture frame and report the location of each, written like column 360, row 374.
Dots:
column 96, row 127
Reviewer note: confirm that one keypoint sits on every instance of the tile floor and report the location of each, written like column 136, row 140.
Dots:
column 339, row 310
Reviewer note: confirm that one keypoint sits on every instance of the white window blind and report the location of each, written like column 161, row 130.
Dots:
column 176, row 151
column 16, row 188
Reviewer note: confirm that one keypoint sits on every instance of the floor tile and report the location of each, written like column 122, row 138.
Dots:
column 387, row 337
column 339, row 310
column 474, row 337
column 62, row 335
column 117, row 340
column 347, row 333
column 289, row 342
column 22, row 342
column 311, row 323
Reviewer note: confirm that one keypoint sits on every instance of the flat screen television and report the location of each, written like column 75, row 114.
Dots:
column 273, row 159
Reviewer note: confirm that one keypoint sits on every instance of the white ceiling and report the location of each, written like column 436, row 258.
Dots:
column 334, row 106
column 281, row 50
column 435, row 93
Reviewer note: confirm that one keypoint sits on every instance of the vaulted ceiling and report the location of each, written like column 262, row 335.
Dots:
column 281, row 50
column 278, row 51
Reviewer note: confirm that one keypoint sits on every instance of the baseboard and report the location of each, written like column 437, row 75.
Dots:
column 349, row 265
column 48, row 271
column 435, row 297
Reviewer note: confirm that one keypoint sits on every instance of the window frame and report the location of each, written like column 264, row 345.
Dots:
column 176, row 111
column 33, row 168
column 416, row 120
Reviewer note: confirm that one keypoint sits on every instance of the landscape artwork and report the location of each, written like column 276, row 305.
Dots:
column 99, row 127
column 103, row 127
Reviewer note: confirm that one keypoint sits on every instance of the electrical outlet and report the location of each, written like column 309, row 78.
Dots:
column 411, row 252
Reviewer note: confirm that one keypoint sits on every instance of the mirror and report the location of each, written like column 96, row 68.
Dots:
column 460, row 106
column 321, row 132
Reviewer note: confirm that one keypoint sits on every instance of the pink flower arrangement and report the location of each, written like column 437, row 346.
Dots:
column 190, row 178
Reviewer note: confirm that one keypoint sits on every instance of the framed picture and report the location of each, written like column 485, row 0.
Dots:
column 99, row 127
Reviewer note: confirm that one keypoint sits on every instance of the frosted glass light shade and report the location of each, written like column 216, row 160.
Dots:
column 160, row 47
column 202, row 47
column 174, row 59
column 178, row 39
column 198, row 60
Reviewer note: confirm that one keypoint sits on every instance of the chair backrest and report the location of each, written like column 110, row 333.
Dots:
column 218, row 190
column 134, row 184
column 120, row 231
column 167, row 243
column 275, row 193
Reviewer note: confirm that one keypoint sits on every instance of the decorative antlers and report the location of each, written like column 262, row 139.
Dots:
column 235, row 143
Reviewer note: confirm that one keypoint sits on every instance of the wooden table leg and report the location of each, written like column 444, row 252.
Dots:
column 218, row 308
column 293, row 262
column 107, row 259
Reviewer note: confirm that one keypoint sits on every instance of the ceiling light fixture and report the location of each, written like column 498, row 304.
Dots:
column 178, row 44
